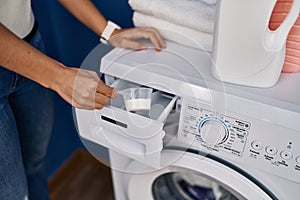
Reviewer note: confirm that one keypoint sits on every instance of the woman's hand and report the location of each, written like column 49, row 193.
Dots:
column 127, row 38
column 83, row 89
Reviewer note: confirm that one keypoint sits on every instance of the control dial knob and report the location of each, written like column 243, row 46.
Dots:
column 213, row 131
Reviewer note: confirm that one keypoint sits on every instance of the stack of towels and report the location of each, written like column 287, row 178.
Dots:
column 188, row 22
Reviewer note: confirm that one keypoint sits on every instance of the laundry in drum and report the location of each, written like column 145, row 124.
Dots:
column 138, row 98
column 196, row 191
column 188, row 186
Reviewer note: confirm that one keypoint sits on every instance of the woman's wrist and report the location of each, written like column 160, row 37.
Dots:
column 55, row 77
column 108, row 31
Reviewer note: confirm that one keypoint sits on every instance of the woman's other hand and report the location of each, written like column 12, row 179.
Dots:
column 128, row 38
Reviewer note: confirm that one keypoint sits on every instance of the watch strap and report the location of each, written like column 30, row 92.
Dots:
column 108, row 30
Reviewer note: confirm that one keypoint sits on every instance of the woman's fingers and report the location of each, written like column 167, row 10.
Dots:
column 126, row 38
column 106, row 90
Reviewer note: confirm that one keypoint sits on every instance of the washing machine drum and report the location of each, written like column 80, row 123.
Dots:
column 190, row 176
column 183, row 186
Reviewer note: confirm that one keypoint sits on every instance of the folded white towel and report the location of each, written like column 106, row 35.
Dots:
column 176, row 33
column 195, row 14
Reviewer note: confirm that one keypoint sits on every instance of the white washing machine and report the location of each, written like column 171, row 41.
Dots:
column 201, row 139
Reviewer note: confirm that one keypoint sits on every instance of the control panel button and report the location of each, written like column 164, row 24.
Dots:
column 256, row 145
column 286, row 155
column 271, row 150
column 298, row 160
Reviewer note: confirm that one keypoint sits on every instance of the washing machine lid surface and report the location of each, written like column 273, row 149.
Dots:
column 195, row 68
column 183, row 173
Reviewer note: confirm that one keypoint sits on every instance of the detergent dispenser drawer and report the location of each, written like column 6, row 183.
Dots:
column 138, row 134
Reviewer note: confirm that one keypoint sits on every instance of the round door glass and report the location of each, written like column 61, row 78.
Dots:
column 186, row 186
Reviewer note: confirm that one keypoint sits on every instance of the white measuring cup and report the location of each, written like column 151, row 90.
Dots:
column 137, row 98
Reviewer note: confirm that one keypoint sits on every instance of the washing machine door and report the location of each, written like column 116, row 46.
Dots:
column 190, row 176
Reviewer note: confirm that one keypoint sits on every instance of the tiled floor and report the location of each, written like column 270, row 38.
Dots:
column 82, row 177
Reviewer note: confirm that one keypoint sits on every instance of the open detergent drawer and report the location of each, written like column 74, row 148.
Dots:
column 138, row 135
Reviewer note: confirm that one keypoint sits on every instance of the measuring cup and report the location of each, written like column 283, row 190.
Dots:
column 137, row 98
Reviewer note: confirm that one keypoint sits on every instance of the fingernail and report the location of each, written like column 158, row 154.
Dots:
column 142, row 48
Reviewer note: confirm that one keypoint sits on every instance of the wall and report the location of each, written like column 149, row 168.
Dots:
column 68, row 41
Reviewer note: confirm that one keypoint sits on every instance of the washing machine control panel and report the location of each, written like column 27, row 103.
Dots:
column 241, row 138
column 212, row 130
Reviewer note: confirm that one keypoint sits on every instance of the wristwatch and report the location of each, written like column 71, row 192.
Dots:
column 108, row 30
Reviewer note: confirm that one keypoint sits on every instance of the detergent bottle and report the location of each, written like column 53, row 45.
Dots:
column 245, row 50
column 292, row 55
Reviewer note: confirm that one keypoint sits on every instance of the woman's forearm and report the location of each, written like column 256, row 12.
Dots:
column 81, row 88
column 90, row 16
column 18, row 56
column 87, row 13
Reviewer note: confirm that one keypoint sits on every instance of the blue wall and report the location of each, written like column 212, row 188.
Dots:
column 68, row 41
